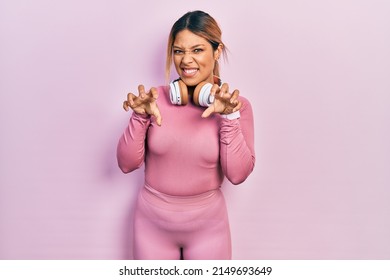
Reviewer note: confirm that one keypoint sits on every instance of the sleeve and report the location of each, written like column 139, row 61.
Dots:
column 237, row 154
column 131, row 146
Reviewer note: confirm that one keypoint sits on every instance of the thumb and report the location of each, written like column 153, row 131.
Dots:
column 157, row 114
column 208, row 111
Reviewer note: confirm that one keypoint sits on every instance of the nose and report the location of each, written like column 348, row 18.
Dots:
column 187, row 57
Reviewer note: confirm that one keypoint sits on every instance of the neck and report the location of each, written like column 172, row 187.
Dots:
column 191, row 90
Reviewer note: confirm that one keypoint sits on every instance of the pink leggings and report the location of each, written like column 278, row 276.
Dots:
column 194, row 227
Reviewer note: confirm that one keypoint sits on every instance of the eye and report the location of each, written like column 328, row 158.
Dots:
column 178, row 52
column 198, row 50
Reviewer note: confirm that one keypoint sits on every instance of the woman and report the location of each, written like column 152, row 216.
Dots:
column 187, row 149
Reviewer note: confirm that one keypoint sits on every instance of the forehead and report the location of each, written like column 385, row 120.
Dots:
column 187, row 39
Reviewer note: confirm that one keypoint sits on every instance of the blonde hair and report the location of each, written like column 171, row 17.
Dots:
column 201, row 24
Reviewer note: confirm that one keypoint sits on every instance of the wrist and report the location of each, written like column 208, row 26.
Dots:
column 141, row 115
column 231, row 116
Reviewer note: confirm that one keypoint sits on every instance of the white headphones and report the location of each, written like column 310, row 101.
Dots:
column 178, row 93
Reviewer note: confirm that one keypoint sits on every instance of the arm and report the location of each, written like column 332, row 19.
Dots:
column 237, row 154
column 131, row 146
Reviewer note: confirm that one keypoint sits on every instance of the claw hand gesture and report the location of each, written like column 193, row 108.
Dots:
column 144, row 103
column 224, row 102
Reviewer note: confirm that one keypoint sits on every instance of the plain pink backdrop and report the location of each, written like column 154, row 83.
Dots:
column 317, row 74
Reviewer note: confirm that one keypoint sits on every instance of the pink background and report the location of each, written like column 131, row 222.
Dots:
column 316, row 72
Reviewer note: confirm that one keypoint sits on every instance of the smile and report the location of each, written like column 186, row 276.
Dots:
column 188, row 72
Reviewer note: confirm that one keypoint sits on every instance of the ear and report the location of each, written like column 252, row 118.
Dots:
column 218, row 52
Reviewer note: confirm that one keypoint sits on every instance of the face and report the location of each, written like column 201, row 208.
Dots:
column 194, row 58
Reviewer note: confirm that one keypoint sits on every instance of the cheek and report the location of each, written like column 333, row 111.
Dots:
column 207, row 67
column 208, row 61
column 176, row 63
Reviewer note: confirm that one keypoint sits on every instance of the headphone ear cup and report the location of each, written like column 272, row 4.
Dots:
column 183, row 93
column 202, row 96
column 174, row 92
column 178, row 92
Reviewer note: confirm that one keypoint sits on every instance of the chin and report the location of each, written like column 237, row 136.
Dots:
column 190, row 82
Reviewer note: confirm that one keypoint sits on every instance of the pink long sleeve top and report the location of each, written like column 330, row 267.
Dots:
column 188, row 154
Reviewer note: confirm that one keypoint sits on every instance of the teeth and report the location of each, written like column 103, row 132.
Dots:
column 190, row 71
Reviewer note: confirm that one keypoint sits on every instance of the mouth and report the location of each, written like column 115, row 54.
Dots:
column 189, row 72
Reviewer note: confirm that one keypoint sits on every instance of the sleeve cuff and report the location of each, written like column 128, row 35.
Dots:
column 232, row 116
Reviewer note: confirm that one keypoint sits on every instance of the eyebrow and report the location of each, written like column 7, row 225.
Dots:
column 193, row 47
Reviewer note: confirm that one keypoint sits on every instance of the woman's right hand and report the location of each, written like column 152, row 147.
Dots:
column 144, row 103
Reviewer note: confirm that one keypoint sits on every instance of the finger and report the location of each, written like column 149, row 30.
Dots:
column 154, row 93
column 206, row 113
column 238, row 106
column 130, row 99
column 234, row 97
column 224, row 89
column 157, row 114
column 214, row 89
column 141, row 91
column 125, row 105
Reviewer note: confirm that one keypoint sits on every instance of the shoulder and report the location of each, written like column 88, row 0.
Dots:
column 246, row 105
column 244, row 100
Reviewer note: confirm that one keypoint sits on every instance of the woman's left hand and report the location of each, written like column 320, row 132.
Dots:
column 224, row 102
